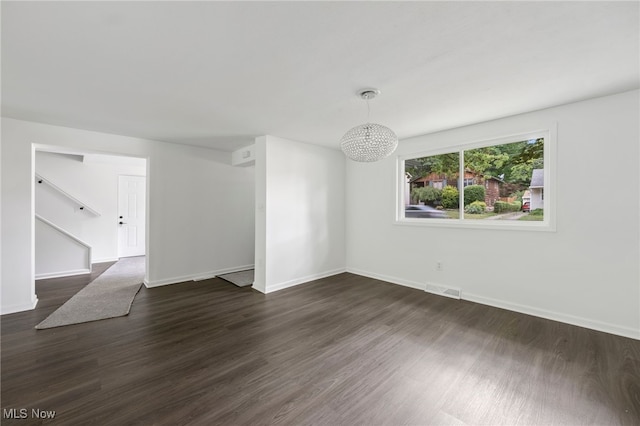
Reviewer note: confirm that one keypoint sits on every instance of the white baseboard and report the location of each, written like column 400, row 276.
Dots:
column 260, row 289
column 12, row 309
column 62, row 274
column 297, row 281
column 105, row 259
column 555, row 316
column 194, row 277
column 515, row 307
column 167, row 281
column 222, row 272
column 387, row 278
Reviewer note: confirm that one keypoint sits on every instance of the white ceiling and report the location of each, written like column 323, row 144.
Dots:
column 218, row 74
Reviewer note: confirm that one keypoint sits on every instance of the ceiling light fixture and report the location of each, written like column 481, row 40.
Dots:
column 369, row 142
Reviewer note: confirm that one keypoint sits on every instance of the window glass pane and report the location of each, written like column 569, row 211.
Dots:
column 431, row 188
column 508, row 181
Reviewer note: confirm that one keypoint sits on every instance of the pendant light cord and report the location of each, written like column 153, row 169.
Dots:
column 368, row 109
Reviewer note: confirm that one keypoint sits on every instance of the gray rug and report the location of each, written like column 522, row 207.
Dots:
column 108, row 296
column 241, row 279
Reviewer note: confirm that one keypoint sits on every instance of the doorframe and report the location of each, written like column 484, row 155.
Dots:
column 65, row 150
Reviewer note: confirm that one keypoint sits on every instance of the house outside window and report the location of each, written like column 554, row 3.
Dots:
column 537, row 189
column 481, row 184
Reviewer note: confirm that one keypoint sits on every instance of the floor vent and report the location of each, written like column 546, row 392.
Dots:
column 454, row 293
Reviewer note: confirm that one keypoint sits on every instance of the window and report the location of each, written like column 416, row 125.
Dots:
column 495, row 183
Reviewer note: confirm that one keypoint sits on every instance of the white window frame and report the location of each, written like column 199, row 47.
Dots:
column 548, row 224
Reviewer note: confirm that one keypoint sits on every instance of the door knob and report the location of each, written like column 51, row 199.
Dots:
column 122, row 223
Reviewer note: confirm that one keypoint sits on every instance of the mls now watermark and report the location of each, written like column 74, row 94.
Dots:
column 24, row 413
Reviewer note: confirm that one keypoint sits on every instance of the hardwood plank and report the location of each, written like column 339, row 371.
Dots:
column 341, row 350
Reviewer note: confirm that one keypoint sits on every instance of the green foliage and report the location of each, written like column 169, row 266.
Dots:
column 504, row 207
column 477, row 207
column 529, row 218
column 511, row 162
column 521, row 173
column 530, row 157
column 531, row 151
column 447, row 164
column 415, row 195
column 487, row 161
column 427, row 194
column 473, row 193
column 536, row 215
column 500, row 207
column 518, row 195
column 450, row 197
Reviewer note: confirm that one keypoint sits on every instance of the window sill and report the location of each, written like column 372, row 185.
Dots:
column 543, row 226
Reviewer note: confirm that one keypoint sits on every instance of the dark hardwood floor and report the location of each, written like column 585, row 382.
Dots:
column 342, row 350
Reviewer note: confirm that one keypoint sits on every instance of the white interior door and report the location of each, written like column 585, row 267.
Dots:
column 131, row 215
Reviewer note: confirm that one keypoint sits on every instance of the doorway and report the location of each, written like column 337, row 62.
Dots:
column 88, row 183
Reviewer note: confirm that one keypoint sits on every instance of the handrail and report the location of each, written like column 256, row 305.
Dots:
column 62, row 231
column 83, row 206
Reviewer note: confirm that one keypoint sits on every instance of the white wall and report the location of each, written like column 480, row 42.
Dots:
column 200, row 208
column 300, row 214
column 95, row 183
column 17, row 288
column 58, row 255
column 260, row 154
column 585, row 273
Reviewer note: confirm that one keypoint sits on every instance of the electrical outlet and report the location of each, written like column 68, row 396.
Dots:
column 439, row 265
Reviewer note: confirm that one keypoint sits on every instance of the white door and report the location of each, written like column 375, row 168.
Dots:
column 131, row 215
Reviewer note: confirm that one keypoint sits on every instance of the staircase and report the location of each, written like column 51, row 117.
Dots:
column 58, row 251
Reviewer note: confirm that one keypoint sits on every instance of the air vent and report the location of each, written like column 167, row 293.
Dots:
column 442, row 290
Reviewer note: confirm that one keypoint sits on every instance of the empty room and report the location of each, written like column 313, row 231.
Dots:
column 336, row 213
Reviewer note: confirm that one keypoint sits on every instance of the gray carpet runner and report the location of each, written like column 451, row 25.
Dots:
column 241, row 278
column 108, row 296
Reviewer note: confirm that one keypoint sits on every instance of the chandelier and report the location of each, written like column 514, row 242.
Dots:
column 369, row 142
